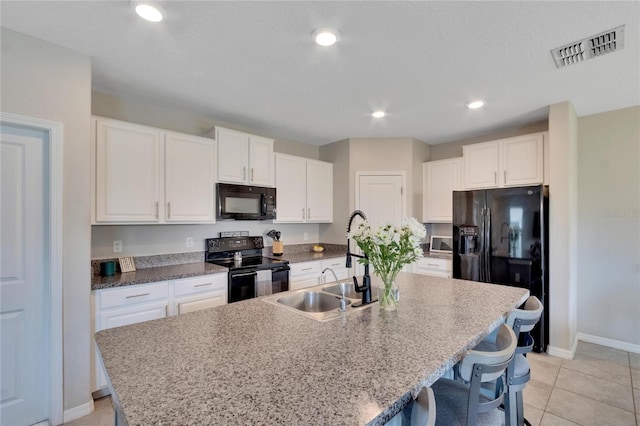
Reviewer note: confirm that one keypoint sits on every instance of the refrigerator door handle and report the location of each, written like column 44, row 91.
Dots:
column 488, row 245
column 482, row 247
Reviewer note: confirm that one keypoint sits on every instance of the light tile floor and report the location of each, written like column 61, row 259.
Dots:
column 600, row 386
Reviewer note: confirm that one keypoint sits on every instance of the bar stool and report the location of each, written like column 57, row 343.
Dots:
column 522, row 322
column 423, row 410
column 459, row 403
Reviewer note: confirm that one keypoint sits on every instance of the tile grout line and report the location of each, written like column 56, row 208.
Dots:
column 633, row 390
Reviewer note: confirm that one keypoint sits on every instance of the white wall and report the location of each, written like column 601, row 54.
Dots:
column 563, row 222
column 609, row 226
column 142, row 240
column 45, row 81
column 371, row 154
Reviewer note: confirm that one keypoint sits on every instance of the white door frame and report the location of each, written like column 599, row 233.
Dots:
column 55, row 179
column 383, row 173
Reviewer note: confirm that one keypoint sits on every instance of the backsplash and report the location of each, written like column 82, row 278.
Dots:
column 153, row 261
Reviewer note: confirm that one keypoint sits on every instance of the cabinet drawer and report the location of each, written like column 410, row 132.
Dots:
column 133, row 294
column 435, row 264
column 205, row 301
column 305, row 268
column 216, row 282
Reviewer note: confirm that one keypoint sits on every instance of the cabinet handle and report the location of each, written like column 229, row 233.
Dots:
column 495, row 177
column 307, row 269
column 505, row 177
column 432, row 264
column 244, row 173
column 309, row 213
column 166, row 310
column 302, row 214
column 252, row 174
column 169, row 210
column 202, row 285
column 157, row 209
column 138, row 295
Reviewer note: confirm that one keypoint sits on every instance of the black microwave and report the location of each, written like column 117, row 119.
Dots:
column 242, row 202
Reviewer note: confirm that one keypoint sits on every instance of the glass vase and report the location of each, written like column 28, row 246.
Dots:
column 389, row 294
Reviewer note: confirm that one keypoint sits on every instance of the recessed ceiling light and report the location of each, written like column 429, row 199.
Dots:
column 149, row 10
column 378, row 114
column 475, row 104
column 325, row 36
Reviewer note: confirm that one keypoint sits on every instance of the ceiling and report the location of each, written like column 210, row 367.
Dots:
column 254, row 64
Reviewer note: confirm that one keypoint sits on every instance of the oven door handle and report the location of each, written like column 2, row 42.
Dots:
column 243, row 275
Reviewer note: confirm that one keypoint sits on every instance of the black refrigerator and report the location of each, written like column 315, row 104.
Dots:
column 500, row 236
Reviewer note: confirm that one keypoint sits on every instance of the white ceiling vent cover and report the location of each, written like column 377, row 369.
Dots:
column 597, row 45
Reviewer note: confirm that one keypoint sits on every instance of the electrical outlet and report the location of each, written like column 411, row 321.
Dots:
column 306, row 236
column 189, row 242
column 117, row 246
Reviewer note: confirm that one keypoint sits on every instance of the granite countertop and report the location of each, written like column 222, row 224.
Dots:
column 187, row 270
column 438, row 255
column 252, row 362
column 160, row 273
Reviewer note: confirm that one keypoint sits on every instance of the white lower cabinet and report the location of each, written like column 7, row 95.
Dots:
column 338, row 266
column 309, row 274
column 436, row 267
column 194, row 294
column 116, row 307
column 305, row 274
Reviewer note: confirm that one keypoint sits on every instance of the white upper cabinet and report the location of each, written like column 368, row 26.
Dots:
column 189, row 178
column 480, row 165
column 128, row 173
column 319, row 191
column 149, row 175
column 244, row 158
column 304, row 190
column 516, row 161
column 440, row 179
column 522, row 160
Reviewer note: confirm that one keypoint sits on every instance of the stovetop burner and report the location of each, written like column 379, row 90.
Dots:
column 250, row 262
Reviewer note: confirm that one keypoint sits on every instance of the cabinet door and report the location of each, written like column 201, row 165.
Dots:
column 319, row 191
column 481, row 165
column 118, row 317
column 260, row 161
column 441, row 178
column 522, row 160
column 128, row 172
column 290, row 189
column 304, row 282
column 233, row 154
column 189, row 178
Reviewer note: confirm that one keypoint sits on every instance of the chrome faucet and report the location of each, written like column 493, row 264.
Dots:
column 365, row 288
column 335, row 277
column 343, row 301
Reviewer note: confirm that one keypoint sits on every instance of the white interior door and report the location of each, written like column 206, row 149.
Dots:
column 24, row 280
column 381, row 196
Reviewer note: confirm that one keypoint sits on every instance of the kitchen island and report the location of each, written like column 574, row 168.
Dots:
column 252, row 362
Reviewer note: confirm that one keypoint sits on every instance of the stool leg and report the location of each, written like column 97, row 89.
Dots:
column 510, row 408
column 520, row 409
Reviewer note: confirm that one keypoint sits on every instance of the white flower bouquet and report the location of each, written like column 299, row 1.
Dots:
column 389, row 248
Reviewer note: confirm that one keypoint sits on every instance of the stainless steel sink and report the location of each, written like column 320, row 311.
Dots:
column 348, row 288
column 311, row 301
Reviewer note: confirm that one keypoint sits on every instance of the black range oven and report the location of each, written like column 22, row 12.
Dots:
column 250, row 274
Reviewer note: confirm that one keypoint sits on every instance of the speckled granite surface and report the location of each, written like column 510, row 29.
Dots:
column 185, row 270
column 255, row 363
column 149, row 275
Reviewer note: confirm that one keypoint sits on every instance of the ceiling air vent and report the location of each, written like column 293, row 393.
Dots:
column 598, row 45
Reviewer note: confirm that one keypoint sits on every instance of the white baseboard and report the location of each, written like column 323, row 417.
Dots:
column 564, row 353
column 616, row 344
column 79, row 411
